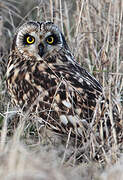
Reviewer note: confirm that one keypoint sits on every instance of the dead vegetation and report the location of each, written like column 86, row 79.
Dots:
column 94, row 31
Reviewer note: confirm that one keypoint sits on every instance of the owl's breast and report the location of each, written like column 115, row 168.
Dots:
column 27, row 80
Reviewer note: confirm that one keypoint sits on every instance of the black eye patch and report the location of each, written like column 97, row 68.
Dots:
column 28, row 39
column 52, row 39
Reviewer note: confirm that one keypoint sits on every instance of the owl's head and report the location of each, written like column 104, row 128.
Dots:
column 38, row 39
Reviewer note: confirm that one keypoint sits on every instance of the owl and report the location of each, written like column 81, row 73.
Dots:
column 45, row 80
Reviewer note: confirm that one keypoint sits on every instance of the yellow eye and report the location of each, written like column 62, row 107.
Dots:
column 30, row 40
column 50, row 40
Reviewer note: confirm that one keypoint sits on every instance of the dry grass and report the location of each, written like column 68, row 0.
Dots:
column 94, row 31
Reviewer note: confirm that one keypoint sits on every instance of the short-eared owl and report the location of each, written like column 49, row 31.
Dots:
column 44, row 78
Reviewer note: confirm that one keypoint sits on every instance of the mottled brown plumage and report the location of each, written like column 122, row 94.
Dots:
column 44, row 78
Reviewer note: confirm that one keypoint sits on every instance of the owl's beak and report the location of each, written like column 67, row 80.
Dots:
column 41, row 49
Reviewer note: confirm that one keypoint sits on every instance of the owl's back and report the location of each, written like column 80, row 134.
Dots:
column 63, row 95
